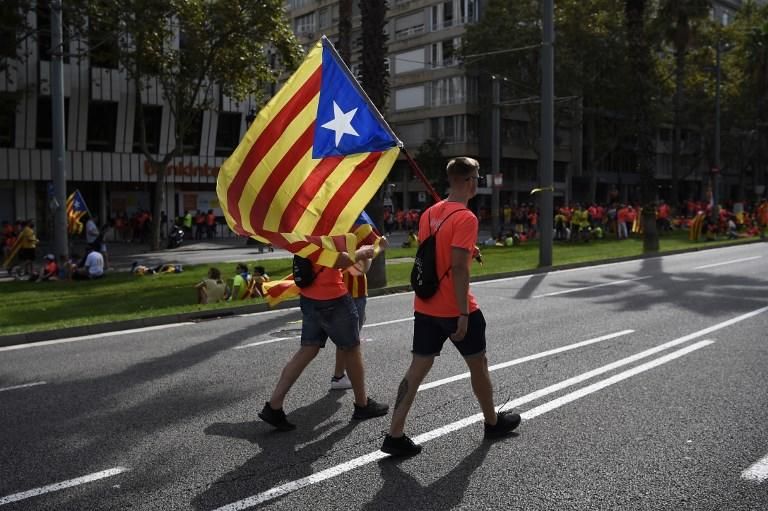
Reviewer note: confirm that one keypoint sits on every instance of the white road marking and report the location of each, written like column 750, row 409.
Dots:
column 337, row 470
column 278, row 339
column 732, row 261
column 62, row 485
column 94, row 336
column 528, row 358
column 575, row 290
column 23, row 386
column 758, row 471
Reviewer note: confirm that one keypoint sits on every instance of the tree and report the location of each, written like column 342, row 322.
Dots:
column 344, row 42
column 679, row 20
column 432, row 161
column 197, row 50
column 642, row 100
column 14, row 30
column 374, row 78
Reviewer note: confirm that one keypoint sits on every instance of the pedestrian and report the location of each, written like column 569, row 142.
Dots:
column 28, row 241
column 327, row 311
column 211, row 289
column 92, row 267
column 92, row 231
column 210, row 223
column 451, row 313
column 357, row 284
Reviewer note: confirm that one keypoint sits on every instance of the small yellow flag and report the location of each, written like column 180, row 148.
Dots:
column 548, row 188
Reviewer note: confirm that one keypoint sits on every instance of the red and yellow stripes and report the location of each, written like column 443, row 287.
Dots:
column 272, row 189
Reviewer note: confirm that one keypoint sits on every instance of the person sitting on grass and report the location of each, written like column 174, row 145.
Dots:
column 211, row 289
column 239, row 289
column 50, row 270
column 92, row 267
column 256, row 284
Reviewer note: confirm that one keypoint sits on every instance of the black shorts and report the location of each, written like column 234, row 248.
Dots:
column 431, row 332
column 27, row 254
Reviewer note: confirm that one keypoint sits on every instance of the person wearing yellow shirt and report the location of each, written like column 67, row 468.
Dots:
column 27, row 246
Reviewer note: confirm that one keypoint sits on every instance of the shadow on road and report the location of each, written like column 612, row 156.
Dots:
column 283, row 457
column 402, row 491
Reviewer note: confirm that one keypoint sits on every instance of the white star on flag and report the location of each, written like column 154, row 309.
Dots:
column 341, row 123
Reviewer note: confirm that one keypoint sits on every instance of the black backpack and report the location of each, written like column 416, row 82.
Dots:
column 303, row 276
column 424, row 279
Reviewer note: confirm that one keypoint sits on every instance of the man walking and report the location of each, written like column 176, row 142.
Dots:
column 327, row 311
column 452, row 312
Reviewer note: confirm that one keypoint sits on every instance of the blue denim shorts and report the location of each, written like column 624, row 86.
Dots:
column 337, row 319
column 360, row 303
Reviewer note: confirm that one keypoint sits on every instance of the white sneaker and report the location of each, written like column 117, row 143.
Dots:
column 342, row 383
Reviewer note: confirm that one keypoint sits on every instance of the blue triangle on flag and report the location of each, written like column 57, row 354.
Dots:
column 347, row 122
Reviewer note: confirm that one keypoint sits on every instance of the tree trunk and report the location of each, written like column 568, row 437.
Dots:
column 157, row 208
column 344, row 42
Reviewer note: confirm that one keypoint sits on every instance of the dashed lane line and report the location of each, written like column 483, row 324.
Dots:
column 62, row 485
column 577, row 289
column 758, row 471
column 23, row 386
column 732, row 261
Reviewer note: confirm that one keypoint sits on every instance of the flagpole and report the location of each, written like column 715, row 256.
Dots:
column 420, row 174
column 77, row 191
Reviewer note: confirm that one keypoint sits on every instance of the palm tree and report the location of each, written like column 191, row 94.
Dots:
column 681, row 18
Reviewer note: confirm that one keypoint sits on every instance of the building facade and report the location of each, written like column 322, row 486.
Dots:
column 103, row 158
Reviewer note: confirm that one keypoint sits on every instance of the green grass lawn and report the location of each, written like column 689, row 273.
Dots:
column 26, row 307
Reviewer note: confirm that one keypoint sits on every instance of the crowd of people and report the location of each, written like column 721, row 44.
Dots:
column 242, row 285
column 20, row 245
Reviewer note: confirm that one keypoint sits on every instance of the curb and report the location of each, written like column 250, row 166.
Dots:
column 199, row 316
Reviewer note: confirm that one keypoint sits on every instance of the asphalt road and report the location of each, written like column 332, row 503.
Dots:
column 642, row 386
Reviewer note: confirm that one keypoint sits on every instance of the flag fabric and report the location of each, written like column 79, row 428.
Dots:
column 364, row 230
column 309, row 163
column 76, row 209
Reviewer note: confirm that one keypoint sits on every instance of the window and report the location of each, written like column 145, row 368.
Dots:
column 444, row 52
column 411, row 24
column 468, row 11
column 194, row 134
column 7, row 120
column 295, row 4
column 102, row 123
column 409, row 61
column 304, row 24
column 450, row 128
column 409, row 97
column 448, row 91
column 324, row 18
column 153, row 117
column 441, row 16
column 45, row 124
column 228, row 133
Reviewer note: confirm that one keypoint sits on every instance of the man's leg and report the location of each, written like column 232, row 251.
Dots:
column 291, row 373
column 352, row 359
column 482, row 386
column 406, row 392
column 338, row 368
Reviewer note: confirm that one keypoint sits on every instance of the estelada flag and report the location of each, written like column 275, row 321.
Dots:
column 76, row 209
column 365, row 231
column 309, row 163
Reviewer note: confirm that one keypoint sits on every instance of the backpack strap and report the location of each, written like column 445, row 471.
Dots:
column 435, row 235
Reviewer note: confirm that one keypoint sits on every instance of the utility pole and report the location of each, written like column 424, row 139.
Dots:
column 58, row 164
column 546, row 164
column 495, row 155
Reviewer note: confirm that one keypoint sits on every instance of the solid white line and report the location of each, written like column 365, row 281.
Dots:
column 402, row 320
column 612, row 283
column 727, row 262
column 589, row 389
column 23, row 386
column 528, row 358
column 94, row 336
column 63, row 484
column 758, row 471
column 337, row 470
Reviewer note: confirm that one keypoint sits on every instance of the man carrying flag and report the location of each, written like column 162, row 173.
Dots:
column 309, row 163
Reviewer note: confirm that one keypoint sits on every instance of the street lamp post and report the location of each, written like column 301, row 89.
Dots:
column 716, row 156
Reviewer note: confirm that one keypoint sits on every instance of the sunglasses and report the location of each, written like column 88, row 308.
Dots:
column 480, row 180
